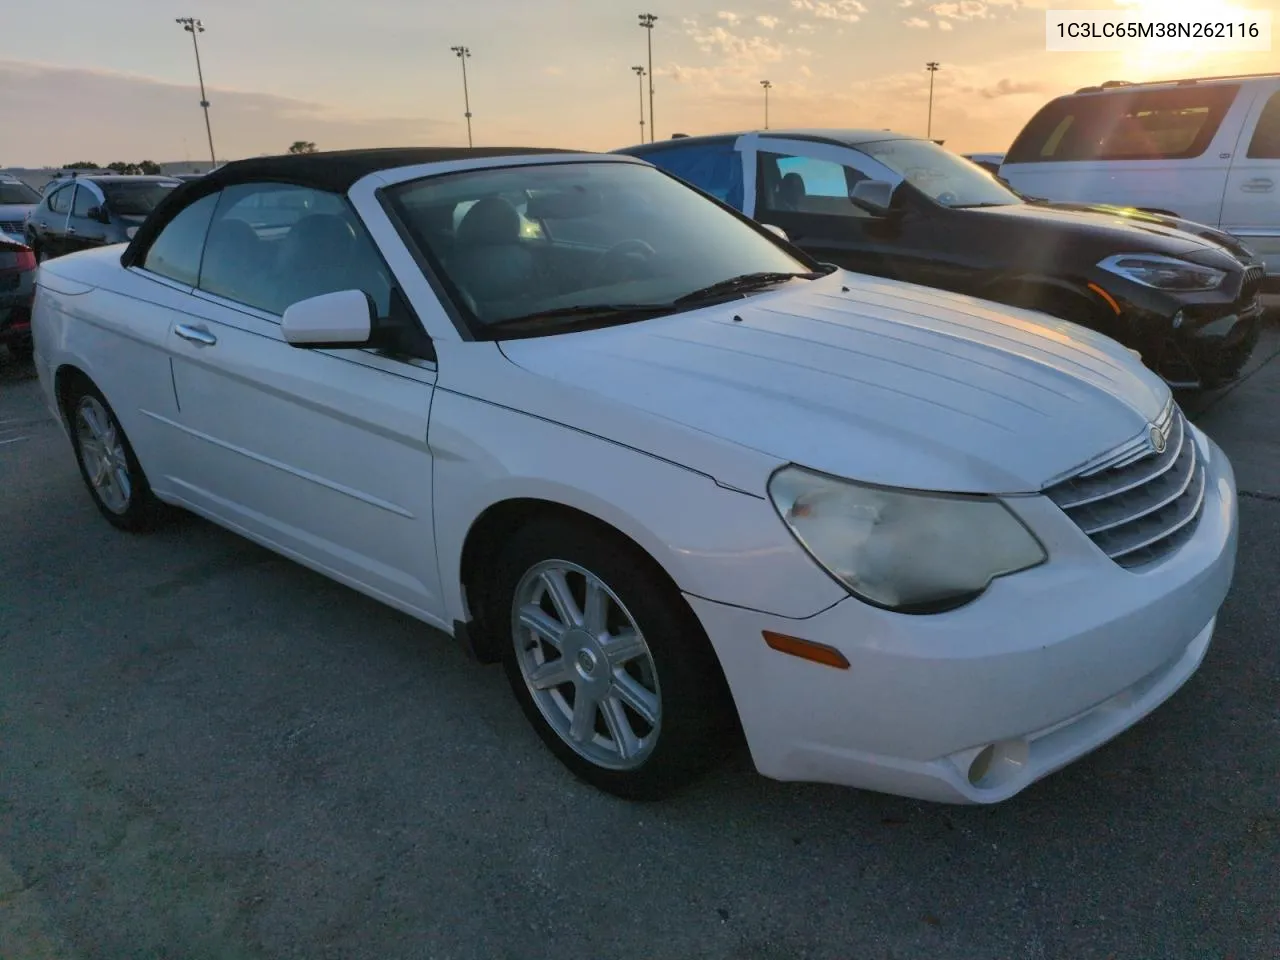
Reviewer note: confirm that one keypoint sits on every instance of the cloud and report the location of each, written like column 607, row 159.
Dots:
column 904, row 4
column 735, row 47
column 553, row 71
column 945, row 25
column 848, row 11
column 916, row 23
column 1010, row 88
column 728, row 17
column 106, row 115
column 767, row 22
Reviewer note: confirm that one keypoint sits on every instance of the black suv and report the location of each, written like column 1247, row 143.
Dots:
column 1185, row 296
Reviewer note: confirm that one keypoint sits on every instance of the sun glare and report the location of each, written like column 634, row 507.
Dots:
column 1147, row 60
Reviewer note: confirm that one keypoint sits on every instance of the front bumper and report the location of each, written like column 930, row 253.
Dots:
column 1194, row 341
column 1045, row 667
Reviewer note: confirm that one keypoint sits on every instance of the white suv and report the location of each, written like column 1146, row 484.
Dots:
column 1205, row 149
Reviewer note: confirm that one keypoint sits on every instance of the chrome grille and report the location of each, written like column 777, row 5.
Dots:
column 14, row 227
column 1138, row 505
column 1253, row 278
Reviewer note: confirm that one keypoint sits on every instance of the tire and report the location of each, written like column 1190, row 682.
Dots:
column 656, row 674
column 107, row 463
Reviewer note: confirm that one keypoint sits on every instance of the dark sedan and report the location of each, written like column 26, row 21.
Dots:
column 93, row 211
column 900, row 207
column 17, row 288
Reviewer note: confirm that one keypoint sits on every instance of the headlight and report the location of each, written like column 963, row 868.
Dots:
column 130, row 231
column 1163, row 273
column 909, row 552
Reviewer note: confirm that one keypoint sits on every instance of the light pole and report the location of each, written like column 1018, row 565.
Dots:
column 647, row 20
column 767, row 87
column 932, row 67
column 193, row 27
column 640, row 75
column 462, row 54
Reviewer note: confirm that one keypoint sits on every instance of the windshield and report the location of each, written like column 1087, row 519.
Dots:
column 941, row 175
column 524, row 241
column 17, row 193
column 136, row 199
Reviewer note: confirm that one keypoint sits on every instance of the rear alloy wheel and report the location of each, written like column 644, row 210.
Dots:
column 608, row 663
column 108, row 464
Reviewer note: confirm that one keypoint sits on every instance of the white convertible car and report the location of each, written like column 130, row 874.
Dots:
column 685, row 483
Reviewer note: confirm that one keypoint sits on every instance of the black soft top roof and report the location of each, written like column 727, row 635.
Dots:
column 337, row 170
column 334, row 171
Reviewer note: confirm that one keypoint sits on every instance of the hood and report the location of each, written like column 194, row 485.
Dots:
column 1112, row 232
column 872, row 380
column 1143, row 218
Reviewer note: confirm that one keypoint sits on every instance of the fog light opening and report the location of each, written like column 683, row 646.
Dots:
column 997, row 764
column 981, row 764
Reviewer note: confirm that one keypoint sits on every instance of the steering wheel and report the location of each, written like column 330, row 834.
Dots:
column 626, row 252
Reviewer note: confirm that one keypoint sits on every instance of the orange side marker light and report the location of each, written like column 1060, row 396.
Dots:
column 1111, row 301
column 806, row 650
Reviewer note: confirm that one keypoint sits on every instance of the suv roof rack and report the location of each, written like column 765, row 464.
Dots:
column 1188, row 81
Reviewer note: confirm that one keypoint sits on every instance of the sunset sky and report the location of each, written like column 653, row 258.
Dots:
column 103, row 81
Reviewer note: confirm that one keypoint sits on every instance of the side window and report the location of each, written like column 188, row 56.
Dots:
column 84, row 201
column 788, row 184
column 1169, row 124
column 60, row 200
column 715, row 168
column 175, row 253
column 271, row 245
column 1266, row 137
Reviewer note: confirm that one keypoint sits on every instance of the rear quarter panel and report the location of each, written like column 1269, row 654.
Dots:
column 112, row 324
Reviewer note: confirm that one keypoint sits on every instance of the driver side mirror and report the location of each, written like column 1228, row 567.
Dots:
column 98, row 213
column 873, row 196
column 332, row 320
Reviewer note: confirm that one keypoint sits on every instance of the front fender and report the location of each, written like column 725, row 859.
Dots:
column 717, row 543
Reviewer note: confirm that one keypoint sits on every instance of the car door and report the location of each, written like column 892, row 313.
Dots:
column 49, row 221
column 1251, row 204
column 82, row 230
column 804, row 188
column 320, row 454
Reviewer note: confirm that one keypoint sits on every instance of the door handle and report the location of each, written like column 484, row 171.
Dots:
column 197, row 335
column 1258, row 185
column 71, row 231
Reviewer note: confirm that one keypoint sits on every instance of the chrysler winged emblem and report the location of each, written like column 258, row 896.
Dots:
column 1157, row 439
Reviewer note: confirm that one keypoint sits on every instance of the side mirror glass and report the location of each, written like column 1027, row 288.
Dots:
column 342, row 319
column 873, row 196
column 773, row 228
column 98, row 213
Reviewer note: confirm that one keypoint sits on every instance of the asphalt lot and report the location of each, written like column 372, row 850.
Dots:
column 209, row 752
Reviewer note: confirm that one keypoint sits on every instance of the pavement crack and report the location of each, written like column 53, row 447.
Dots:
column 1258, row 495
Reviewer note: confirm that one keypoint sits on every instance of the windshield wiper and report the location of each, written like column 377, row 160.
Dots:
column 587, row 314
column 743, row 283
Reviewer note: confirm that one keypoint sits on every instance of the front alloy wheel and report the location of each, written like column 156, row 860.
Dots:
column 607, row 660
column 586, row 665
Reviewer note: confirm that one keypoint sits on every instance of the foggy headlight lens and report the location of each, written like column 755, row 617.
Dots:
column 910, row 552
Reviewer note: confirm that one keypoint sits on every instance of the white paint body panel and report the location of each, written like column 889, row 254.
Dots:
column 373, row 470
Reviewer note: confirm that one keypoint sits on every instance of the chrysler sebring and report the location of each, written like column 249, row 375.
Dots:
column 685, row 483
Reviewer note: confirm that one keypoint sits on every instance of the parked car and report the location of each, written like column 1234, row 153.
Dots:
column 989, row 162
column 17, row 200
column 17, row 288
column 669, row 470
column 93, row 211
column 1206, row 150
column 902, row 207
